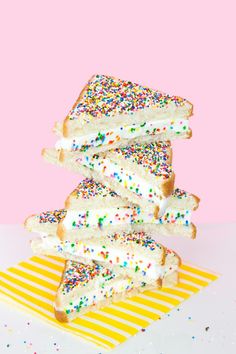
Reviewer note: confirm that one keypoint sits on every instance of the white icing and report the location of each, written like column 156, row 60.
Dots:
column 109, row 137
column 103, row 289
column 116, row 256
column 77, row 219
column 128, row 179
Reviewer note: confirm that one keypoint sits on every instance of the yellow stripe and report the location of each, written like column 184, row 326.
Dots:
column 28, row 287
column 87, row 321
column 165, row 298
column 176, row 292
column 30, row 298
column 112, row 322
column 138, row 310
column 33, row 278
column 46, row 263
column 38, row 270
column 202, row 273
column 126, row 316
column 152, row 304
column 94, row 326
column 188, row 287
column 85, row 334
column 58, row 259
column 193, row 279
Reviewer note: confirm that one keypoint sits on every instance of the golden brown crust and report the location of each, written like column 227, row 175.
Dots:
column 170, row 155
column 27, row 222
column 178, row 258
column 65, row 128
column 62, row 155
column 61, row 316
column 190, row 111
column 43, row 152
column 194, row 232
column 197, row 201
column 61, row 231
column 163, row 255
column 167, row 186
column 68, row 202
column 66, row 123
column 189, row 134
column 156, row 212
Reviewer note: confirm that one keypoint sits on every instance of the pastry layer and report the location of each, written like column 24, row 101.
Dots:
column 182, row 199
column 107, row 102
column 109, row 138
column 154, row 230
column 85, row 287
column 52, row 156
column 144, row 170
column 97, row 211
column 90, row 194
column 136, row 253
column 77, row 219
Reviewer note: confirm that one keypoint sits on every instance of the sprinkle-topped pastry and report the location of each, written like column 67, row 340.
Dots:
column 152, row 157
column 52, row 216
column 79, row 274
column 87, row 286
column 84, row 287
column 95, row 211
column 137, row 253
column 88, row 188
column 139, row 238
column 111, row 112
column 142, row 173
column 117, row 136
column 180, row 193
column 105, row 95
column 102, row 286
column 144, row 154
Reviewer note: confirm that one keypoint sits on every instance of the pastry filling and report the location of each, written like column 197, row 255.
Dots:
column 177, row 126
column 78, row 219
column 86, row 285
column 125, row 178
column 143, row 261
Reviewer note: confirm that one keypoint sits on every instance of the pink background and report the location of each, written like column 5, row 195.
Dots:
column 51, row 48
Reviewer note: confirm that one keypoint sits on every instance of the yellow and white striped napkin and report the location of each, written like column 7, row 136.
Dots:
column 32, row 284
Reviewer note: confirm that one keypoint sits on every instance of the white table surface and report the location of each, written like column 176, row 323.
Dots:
column 182, row 332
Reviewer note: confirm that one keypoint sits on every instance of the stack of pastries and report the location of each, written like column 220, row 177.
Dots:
column 118, row 135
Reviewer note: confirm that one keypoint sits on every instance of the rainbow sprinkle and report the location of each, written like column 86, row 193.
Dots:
column 152, row 157
column 52, row 216
column 88, row 188
column 180, row 193
column 139, row 238
column 108, row 96
column 79, row 274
